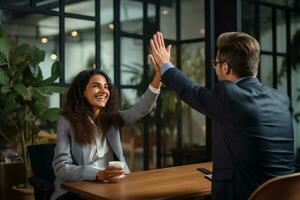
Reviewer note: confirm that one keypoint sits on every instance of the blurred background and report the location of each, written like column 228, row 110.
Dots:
column 113, row 35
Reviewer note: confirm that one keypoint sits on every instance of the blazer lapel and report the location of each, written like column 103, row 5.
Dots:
column 86, row 150
column 114, row 140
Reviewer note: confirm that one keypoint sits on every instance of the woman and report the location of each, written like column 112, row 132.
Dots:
column 88, row 130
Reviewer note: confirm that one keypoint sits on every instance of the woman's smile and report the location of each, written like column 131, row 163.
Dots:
column 97, row 92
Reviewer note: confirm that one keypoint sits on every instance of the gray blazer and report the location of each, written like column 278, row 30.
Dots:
column 71, row 160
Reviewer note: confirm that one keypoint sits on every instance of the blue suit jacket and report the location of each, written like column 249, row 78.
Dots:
column 252, row 133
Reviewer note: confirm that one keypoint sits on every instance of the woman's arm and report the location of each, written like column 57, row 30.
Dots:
column 156, row 83
column 63, row 163
column 145, row 104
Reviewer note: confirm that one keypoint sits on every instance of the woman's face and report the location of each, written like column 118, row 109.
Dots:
column 96, row 91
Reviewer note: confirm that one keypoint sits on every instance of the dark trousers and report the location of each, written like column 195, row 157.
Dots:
column 69, row 196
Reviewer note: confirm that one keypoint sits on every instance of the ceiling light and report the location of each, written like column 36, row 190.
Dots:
column 44, row 40
column 111, row 26
column 53, row 56
column 165, row 12
column 74, row 33
column 202, row 30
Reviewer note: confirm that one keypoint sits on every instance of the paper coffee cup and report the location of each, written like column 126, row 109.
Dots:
column 116, row 164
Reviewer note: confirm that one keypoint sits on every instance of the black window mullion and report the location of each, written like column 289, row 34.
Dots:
column 273, row 53
column 62, row 45
column 131, row 35
column 159, row 103
column 137, row 87
column 117, row 43
column 256, row 29
column 32, row 3
column 98, row 34
column 178, row 58
column 209, row 71
column 29, row 10
column 78, row 16
column 288, row 57
column 194, row 40
column 275, row 6
column 238, row 15
column 274, row 37
column 145, row 81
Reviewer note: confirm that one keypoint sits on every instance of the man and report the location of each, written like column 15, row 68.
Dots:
column 252, row 134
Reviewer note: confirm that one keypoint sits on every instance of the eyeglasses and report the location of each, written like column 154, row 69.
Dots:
column 214, row 63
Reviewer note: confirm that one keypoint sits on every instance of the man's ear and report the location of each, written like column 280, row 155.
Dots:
column 226, row 68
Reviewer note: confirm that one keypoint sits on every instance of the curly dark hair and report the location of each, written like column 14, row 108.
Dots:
column 77, row 109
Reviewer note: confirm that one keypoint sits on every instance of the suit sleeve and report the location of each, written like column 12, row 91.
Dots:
column 206, row 101
column 141, row 108
column 63, row 164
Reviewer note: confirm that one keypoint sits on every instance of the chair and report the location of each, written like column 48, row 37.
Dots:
column 285, row 187
column 41, row 157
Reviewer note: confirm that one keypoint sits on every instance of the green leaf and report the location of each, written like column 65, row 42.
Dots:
column 37, row 55
column 44, row 83
column 21, row 89
column 55, row 70
column 55, row 73
column 5, row 44
column 2, row 32
column 40, row 91
column 9, row 102
column 38, row 108
column 3, row 58
column 34, row 70
column 53, row 89
column 5, row 89
column 21, row 55
column 39, row 95
column 4, row 78
column 40, row 75
column 29, row 117
column 51, row 114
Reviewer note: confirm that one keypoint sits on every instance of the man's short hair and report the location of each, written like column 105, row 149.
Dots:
column 240, row 51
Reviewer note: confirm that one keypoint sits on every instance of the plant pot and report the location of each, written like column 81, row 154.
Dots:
column 23, row 193
column 10, row 174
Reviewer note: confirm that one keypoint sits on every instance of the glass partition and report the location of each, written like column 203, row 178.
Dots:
column 192, row 19
column 168, row 19
column 82, row 7
column 38, row 30
column 265, row 28
column 107, row 37
column 266, row 70
column 131, row 16
column 131, row 61
column 47, row 5
column 79, row 46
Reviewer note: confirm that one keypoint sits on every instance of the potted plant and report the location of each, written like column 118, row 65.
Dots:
column 24, row 95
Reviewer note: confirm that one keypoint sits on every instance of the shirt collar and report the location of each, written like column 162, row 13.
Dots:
column 243, row 78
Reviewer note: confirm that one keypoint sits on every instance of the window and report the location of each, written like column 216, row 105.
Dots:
column 114, row 36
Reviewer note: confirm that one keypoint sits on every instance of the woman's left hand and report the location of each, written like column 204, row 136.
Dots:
column 109, row 173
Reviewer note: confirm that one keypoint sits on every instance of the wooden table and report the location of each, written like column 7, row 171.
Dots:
column 181, row 182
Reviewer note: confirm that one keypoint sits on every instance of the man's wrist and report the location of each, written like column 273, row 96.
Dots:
column 163, row 63
column 165, row 67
